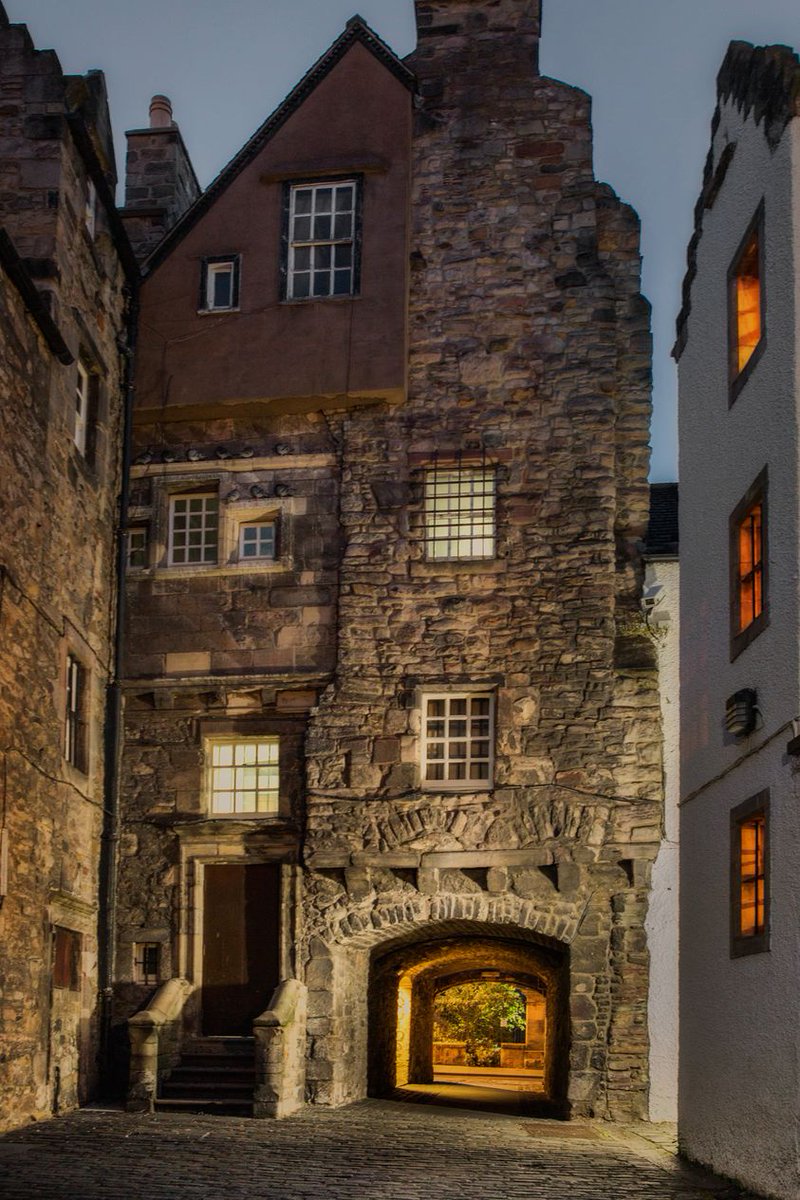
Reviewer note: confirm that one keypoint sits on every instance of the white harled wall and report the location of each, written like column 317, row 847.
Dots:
column 740, row 1039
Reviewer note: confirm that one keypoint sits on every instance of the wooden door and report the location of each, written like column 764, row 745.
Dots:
column 241, row 925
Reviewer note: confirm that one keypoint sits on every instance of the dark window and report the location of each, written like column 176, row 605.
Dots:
column 137, row 546
column 75, row 725
column 219, row 283
column 746, row 309
column 146, row 962
column 321, row 239
column 66, row 959
column 748, row 555
column 750, row 876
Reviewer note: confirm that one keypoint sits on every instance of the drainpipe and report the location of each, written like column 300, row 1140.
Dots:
column 107, row 923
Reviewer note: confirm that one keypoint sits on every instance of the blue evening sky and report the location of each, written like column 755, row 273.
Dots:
column 650, row 66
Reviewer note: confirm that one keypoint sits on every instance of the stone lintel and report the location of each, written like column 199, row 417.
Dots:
column 466, row 859
column 403, row 858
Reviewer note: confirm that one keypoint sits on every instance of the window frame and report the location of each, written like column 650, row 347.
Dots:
column 212, row 742
column 288, row 245
column 429, row 513
column 76, row 724
column 755, row 496
column 258, row 559
column 141, row 975
column 80, row 429
column 756, row 808
column 209, row 267
column 176, row 498
column 738, row 376
column 425, row 759
column 90, row 209
column 142, row 529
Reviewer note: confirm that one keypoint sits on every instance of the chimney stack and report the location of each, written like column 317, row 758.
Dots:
column 160, row 183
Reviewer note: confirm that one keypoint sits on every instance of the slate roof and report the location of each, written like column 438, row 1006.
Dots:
column 662, row 530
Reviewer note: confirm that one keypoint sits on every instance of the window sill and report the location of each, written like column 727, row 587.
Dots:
column 213, row 312
column 458, row 788
column 302, row 300
column 743, row 946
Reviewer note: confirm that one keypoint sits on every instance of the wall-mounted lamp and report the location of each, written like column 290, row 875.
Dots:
column 740, row 712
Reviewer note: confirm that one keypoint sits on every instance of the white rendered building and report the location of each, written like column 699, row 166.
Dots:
column 739, row 1096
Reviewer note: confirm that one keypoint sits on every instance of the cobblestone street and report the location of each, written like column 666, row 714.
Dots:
column 371, row 1151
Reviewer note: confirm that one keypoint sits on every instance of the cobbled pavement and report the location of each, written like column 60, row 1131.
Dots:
column 376, row 1150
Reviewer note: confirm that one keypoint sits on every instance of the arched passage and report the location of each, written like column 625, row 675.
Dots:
column 406, row 976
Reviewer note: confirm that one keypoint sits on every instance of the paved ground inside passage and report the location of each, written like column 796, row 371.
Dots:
column 377, row 1150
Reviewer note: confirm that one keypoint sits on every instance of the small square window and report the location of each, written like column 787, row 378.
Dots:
column 257, row 541
column 146, row 962
column 66, row 959
column 322, row 227
column 746, row 306
column 194, row 529
column 459, row 513
column 243, row 776
column 137, row 546
column 220, row 284
column 458, row 741
column 750, row 876
column 75, row 723
column 748, row 566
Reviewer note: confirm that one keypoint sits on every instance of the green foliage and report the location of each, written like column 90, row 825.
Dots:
column 481, row 1015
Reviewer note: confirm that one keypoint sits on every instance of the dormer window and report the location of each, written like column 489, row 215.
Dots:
column 219, row 289
column 322, row 233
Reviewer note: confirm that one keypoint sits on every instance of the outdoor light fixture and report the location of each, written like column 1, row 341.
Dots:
column 740, row 712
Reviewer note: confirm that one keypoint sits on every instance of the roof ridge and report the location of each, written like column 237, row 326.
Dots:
column 356, row 30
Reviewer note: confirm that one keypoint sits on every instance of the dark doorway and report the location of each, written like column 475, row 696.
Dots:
column 241, row 925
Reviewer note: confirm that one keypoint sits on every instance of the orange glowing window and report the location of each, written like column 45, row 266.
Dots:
column 750, row 567
column 752, row 876
column 748, row 303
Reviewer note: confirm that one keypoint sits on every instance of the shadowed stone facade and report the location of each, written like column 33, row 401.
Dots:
column 64, row 264
column 499, row 330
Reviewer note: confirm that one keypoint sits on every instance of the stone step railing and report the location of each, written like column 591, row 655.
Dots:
column 280, row 1045
column 155, row 1037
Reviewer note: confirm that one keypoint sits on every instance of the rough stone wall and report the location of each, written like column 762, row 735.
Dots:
column 57, row 522
column 530, row 351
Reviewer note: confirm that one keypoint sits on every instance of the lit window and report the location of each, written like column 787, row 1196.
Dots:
column 460, row 512
column 193, row 529
column 243, row 776
column 81, row 408
column 137, row 546
column 748, row 550
column 750, row 566
column 146, row 962
column 746, row 299
column 66, row 959
column 322, row 240
column 257, row 541
column 75, row 727
column 458, row 740
column 749, row 879
column 220, row 284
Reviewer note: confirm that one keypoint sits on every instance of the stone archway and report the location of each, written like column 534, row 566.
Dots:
column 406, row 974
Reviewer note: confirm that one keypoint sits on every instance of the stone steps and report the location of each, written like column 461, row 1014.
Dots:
column 215, row 1075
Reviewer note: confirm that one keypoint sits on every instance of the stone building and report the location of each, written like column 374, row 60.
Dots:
column 740, row 697
column 392, row 717
column 64, row 269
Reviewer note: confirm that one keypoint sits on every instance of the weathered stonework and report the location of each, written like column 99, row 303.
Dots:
column 61, row 301
column 528, row 353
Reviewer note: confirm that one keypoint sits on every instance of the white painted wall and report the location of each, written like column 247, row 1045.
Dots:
column 740, row 1028
column 662, row 917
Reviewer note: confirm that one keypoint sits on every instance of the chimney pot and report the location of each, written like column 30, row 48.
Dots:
column 160, row 112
